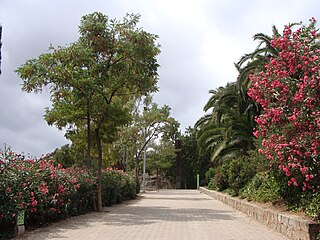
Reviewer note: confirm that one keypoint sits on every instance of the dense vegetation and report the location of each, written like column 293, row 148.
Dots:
column 263, row 129
column 101, row 90
column 46, row 192
column 259, row 139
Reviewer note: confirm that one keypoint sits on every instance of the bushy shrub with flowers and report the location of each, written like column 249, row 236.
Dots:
column 117, row 186
column 45, row 190
column 48, row 192
column 288, row 91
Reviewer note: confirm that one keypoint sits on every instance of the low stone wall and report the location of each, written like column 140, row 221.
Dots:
column 288, row 224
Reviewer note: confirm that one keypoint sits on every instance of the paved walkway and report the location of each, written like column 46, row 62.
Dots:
column 167, row 215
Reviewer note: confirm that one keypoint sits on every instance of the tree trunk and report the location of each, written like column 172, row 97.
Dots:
column 136, row 169
column 157, row 182
column 88, row 140
column 99, row 146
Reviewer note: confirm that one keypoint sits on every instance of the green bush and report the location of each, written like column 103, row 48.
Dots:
column 211, row 185
column 48, row 192
column 240, row 172
column 221, row 177
column 263, row 187
column 117, row 186
column 44, row 190
column 310, row 204
column 209, row 175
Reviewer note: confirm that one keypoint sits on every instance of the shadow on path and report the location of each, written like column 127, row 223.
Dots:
column 148, row 209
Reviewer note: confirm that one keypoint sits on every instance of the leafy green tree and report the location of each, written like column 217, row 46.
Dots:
column 92, row 80
column 149, row 122
column 160, row 158
column 64, row 156
column 193, row 162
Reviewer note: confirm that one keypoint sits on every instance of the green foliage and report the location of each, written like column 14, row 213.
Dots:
column 211, row 184
column 232, row 175
column 240, row 172
column 93, row 80
column 64, row 156
column 117, row 186
column 263, row 187
column 160, row 157
column 221, row 178
column 225, row 133
column 193, row 162
column 152, row 123
column 311, row 205
column 45, row 190
column 48, row 192
column 210, row 174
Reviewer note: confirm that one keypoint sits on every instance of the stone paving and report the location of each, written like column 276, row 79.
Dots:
column 168, row 214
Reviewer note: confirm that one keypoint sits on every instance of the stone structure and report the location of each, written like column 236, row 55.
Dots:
column 178, row 148
column 288, row 224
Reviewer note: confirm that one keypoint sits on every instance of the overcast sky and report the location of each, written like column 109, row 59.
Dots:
column 200, row 40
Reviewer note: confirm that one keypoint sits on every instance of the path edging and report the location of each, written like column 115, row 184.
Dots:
column 289, row 225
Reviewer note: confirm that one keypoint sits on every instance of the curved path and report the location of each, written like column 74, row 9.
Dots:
column 168, row 214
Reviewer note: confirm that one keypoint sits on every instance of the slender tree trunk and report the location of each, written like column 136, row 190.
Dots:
column 88, row 140
column 136, row 168
column 126, row 158
column 99, row 146
column 157, row 182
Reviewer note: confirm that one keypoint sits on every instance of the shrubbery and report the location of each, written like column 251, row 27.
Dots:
column 44, row 190
column 286, row 88
column 232, row 175
column 263, row 187
column 117, row 186
column 48, row 192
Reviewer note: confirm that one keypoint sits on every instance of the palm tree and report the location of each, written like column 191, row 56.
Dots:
column 223, row 132
column 227, row 131
column 255, row 61
column 252, row 63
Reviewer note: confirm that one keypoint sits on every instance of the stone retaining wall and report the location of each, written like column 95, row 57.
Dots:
column 285, row 223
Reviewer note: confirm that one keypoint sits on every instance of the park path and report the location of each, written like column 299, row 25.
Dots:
column 167, row 215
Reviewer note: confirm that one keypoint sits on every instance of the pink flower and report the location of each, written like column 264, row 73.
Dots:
column 34, row 203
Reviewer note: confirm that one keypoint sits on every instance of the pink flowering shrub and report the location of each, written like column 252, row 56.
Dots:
column 45, row 190
column 288, row 91
column 48, row 192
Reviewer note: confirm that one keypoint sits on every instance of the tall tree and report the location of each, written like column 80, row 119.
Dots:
column 224, row 132
column 150, row 123
column 92, row 80
column 253, row 63
column 193, row 162
column 160, row 158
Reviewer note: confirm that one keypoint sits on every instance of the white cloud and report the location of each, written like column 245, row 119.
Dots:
column 200, row 41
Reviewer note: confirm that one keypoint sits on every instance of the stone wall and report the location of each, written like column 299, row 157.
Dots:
column 288, row 224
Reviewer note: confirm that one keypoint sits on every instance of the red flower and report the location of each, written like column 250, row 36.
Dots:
column 34, row 203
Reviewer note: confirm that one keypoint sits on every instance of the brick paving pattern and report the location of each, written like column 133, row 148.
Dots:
column 168, row 214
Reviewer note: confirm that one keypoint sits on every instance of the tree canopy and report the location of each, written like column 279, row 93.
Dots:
column 92, row 80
